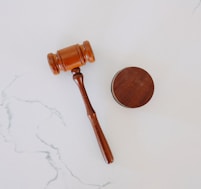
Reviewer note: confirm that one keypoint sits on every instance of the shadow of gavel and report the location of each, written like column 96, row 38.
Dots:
column 70, row 59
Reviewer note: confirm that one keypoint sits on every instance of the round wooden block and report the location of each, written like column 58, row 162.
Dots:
column 132, row 87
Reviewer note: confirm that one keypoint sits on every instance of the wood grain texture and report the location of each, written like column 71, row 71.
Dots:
column 132, row 87
column 71, row 57
column 103, row 144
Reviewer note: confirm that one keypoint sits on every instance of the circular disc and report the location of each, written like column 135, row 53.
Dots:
column 132, row 87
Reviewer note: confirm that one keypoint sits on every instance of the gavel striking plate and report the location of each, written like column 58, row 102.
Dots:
column 70, row 59
column 132, row 87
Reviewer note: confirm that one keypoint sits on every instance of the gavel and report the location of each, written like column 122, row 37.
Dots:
column 71, row 59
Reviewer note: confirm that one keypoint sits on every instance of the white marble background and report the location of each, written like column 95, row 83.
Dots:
column 46, row 141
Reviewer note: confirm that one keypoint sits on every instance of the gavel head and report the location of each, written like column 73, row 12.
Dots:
column 71, row 57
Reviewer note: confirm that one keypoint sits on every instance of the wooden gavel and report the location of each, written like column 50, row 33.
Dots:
column 70, row 59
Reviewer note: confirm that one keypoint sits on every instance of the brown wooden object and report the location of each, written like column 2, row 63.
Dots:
column 132, row 87
column 105, row 149
column 71, row 58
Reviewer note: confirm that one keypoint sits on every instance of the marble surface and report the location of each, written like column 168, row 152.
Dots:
column 46, row 140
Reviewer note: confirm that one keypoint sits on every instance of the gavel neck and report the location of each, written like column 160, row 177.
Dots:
column 79, row 80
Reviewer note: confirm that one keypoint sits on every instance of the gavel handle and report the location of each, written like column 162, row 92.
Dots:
column 105, row 149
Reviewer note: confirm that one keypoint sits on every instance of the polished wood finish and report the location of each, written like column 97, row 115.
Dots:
column 132, row 87
column 71, row 58
column 105, row 149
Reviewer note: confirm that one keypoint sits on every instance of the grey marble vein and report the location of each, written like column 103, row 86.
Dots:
column 4, row 98
column 48, row 157
column 197, row 6
column 56, row 149
column 52, row 110
column 9, row 113
column 51, row 152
